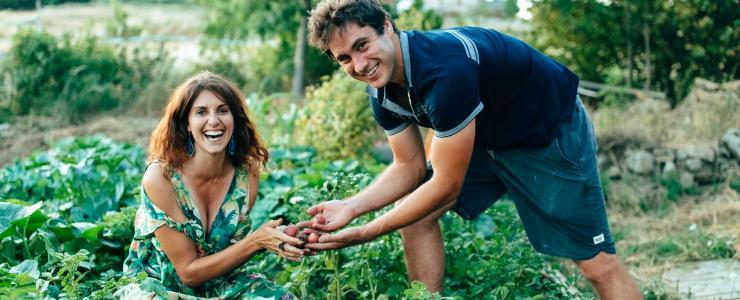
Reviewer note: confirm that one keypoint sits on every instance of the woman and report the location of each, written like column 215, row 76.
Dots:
column 192, row 230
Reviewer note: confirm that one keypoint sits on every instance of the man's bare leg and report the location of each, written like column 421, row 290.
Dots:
column 424, row 251
column 609, row 277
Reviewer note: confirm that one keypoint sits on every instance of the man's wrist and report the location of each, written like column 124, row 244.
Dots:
column 356, row 207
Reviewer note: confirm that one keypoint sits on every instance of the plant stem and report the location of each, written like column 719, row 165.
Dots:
column 337, row 287
column 26, row 250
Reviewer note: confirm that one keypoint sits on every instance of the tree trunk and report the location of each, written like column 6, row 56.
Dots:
column 646, row 37
column 628, row 15
column 299, row 59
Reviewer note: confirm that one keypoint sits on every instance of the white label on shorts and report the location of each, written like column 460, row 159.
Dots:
column 598, row 239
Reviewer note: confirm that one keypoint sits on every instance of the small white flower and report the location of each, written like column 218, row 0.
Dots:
column 692, row 227
column 709, row 243
column 296, row 199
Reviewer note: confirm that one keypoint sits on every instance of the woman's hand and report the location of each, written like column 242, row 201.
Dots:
column 269, row 237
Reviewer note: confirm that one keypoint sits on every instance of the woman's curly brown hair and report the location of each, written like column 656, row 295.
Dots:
column 168, row 142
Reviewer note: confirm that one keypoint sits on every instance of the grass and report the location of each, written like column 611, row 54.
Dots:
column 693, row 228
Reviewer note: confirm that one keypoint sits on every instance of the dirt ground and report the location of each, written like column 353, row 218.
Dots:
column 28, row 134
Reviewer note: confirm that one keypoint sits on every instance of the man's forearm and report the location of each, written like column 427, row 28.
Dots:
column 423, row 201
column 396, row 181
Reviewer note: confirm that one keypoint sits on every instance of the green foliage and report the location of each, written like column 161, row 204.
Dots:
column 119, row 25
column 615, row 76
column 67, row 273
column 59, row 257
column 31, row 4
column 511, row 8
column 84, row 177
column 222, row 61
column 337, row 119
column 418, row 291
column 671, row 42
column 692, row 244
column 77, row 182
column 418, row 18
column 72, row 77
column 497, row 254
column 275, row 24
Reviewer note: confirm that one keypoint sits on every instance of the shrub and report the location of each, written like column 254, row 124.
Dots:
column 31, row 4
column 72, row 77
column 418, row 18
column 337, row 119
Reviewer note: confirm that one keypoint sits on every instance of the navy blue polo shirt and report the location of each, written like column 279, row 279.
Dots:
column 515, row 93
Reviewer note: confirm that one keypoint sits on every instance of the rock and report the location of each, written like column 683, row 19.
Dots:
column 603, row 161
column 693, row 165
column 724, row 152
column 664, row 155
column 669, row 170
column 704, row 176
column 731, row 141
column 703, row 152
column 686, row 180
column 639, row 161
column 4, row 130
column 613, row 172
column 713, row 279
column 703, row 84
column 682, row 154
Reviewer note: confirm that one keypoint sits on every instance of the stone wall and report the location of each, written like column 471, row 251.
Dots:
column 692, row 165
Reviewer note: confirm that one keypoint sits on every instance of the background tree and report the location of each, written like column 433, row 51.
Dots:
column 658, row 44
column 280, row 25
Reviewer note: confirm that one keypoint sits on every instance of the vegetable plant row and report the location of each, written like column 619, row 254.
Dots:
column 66, row 221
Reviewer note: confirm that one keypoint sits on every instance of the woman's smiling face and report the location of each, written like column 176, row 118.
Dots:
column 211, row 123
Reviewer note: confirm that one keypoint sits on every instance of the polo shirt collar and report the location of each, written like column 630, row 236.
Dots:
column 406, row 57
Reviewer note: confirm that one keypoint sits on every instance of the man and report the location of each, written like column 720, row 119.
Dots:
column 506, row 119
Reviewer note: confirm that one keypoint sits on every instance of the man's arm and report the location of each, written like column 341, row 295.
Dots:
column 401, row 177
column 450, row 157
column 397, row 180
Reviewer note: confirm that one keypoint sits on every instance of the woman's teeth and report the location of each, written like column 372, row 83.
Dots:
column 214, row 134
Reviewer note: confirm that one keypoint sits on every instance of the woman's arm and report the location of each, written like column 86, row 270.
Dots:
column 182, row 251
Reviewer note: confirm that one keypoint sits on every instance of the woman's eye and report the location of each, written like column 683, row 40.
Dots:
column 362, row 47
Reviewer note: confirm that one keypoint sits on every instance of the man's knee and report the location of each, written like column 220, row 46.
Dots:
column 600, row 268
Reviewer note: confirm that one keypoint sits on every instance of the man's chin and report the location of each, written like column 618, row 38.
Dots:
column 378, row 83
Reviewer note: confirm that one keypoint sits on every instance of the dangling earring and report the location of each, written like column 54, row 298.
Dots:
column 191, row 150
column 232, row 146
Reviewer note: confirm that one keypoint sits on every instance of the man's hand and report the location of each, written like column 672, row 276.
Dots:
column 330, row 215
column 347, row 237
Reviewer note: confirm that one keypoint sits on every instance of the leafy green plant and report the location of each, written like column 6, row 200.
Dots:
column 84, row 177
column 69, row 257
column 337, row 120
column 119, row 26
column 67, row 272
column 73, row 77
column 418, row 18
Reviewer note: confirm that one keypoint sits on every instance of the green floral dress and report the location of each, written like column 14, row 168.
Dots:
column 231, row 224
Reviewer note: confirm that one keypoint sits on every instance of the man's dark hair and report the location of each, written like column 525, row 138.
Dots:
column 330, row 15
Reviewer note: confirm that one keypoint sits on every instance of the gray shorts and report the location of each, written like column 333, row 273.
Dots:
column 556, row 190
